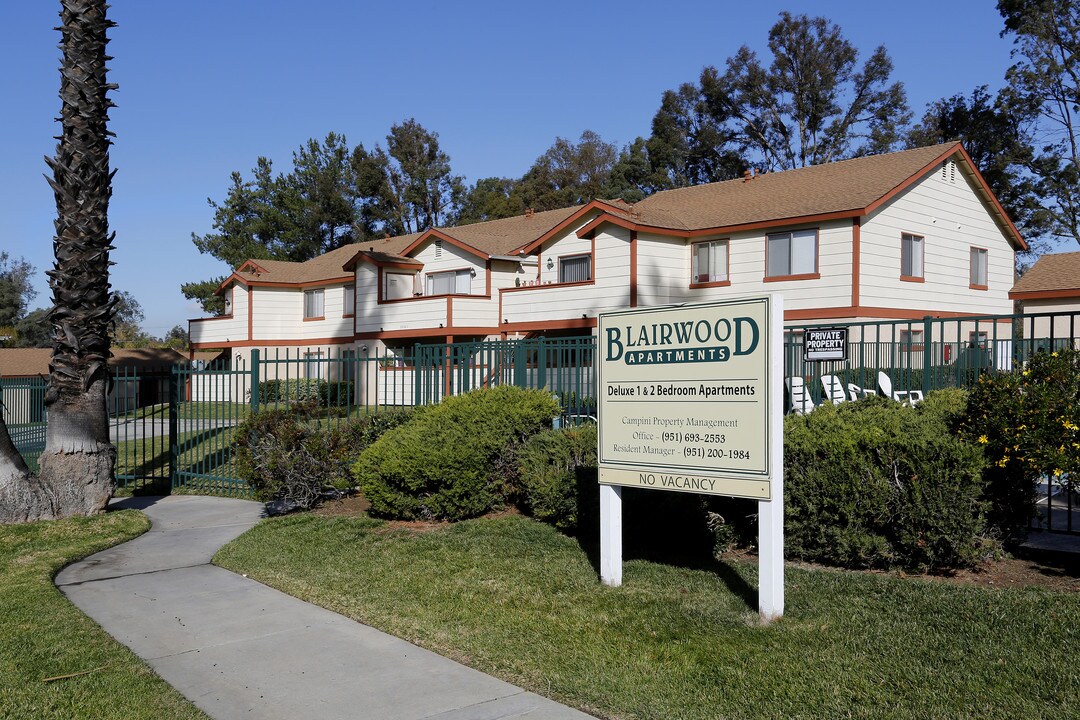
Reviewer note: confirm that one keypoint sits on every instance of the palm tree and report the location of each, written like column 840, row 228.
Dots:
column 76, row 468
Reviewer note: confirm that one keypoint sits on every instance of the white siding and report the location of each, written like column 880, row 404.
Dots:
column 1064, row 326
column 279, row 315
column 223, row 330
column 452, row 258
column 952, row 219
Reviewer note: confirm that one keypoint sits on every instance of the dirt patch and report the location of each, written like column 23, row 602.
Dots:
column 353, row 506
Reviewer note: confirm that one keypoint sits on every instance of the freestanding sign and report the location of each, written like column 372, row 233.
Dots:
column 691, row 401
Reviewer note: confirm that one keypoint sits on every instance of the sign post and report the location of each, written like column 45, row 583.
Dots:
column 691, row 401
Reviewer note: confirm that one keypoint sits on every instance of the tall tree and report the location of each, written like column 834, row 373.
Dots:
column 295, row 216
column 16, row 290
column 76, row 467
column 1046, row 78
column 813, row 104
column 409, row 186
column 126, row 329
column 567, row 173
column 489, row 199
column 997, row 136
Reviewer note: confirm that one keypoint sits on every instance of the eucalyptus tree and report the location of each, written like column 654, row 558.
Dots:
column 76, row 467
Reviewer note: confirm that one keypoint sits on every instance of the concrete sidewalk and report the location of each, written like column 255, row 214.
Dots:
column 239, row 649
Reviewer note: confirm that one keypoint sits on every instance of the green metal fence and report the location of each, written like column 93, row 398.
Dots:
column 22, row 405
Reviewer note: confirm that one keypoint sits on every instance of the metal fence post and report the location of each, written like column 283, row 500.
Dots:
column 254, row 381
column 928, row 354
column 174, row 424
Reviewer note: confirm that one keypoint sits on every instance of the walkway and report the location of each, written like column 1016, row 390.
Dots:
column 239, row 649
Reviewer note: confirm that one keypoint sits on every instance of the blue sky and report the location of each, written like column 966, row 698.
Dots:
column 207, row 86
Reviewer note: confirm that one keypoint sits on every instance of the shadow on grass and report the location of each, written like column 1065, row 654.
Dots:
column 667, row 528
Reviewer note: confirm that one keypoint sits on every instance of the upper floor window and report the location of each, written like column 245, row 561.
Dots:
column 911, row 256
column 791, row 253
column 398, row 286
column 228, row 301
column 349, row 305
column 911, row 340
column 710, row 261
column 313, row 304
column 978, row 268
column 451, row 282
column 575, row 268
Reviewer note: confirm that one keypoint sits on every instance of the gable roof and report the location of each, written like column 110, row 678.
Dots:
column 1056, row 275
column 847, row 188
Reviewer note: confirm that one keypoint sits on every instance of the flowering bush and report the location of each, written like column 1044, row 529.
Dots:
column 1028, row 424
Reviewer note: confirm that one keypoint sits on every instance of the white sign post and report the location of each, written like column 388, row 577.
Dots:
column 691, row 400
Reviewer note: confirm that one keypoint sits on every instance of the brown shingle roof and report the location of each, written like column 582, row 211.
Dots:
column 842, row 186
column 1059, row 272
column 23, row 362
column 500, row 237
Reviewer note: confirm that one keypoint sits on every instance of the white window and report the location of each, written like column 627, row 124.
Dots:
column 792, row 253
column 978, row 267
column 575, row 268
column 313, row 304
column 228, row 300
column 314, row 367
column 911, row 339
column 710, row 261
column 452, row 282
column 398, row 286
column 349, row 307
column 911, row 255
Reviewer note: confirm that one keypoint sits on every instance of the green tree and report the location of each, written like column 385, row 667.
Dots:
column 1046, row 79
column 34, row 329
column 567, row 174
column 16, row 292
column 76, row 466
column 998, row 138
column 813, row 104
column 126, row 329
column 295, row 216
column 177, row 338
column 489, row 199
column 409, row 186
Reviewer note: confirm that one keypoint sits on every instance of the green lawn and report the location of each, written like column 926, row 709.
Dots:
column 44, row 636
column 206, row 463
column 514, row 598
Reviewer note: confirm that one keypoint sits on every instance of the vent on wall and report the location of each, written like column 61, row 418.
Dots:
column 948, row 171
column 438, row 248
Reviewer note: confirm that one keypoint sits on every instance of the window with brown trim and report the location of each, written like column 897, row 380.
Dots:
column 575, row 268
column 398, row 286
column 978, row 269
column 349, row 303
column 911, row 340
column 791, row 253
column 450, row 282
column 912, row 248
column 709, row 262
column 313, row 304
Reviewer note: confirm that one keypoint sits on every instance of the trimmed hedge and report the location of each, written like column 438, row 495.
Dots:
column 303, row 390
column 445, row 462
column 874, row 484
column 287, row 454
column 550, row 468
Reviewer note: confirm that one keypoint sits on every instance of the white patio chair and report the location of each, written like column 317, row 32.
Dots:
column 906, row 397
column 833, row 390
column 801, row 402
column 856, row 392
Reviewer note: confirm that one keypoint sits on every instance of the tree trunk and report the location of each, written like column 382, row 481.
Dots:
column 76, row 467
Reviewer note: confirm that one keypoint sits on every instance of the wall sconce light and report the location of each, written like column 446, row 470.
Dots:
column 472, row 271
column 550, row 263
column 363, row 348
column 584, row 316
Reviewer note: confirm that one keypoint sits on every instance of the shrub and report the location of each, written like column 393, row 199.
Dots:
column 876, row 484
column 284, row 454
column 550, row 466
column 306, row 390
column 1028, row 425
column 442, row 463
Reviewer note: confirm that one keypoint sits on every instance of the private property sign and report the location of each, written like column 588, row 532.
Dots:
column 685, row 398
column 824, row 344
column 691, row 401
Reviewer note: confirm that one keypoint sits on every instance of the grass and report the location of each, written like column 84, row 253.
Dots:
column 514, row 598
column 205, row 461
column 45, row 636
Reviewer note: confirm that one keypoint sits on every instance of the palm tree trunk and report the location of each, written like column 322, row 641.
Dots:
column 76, row 467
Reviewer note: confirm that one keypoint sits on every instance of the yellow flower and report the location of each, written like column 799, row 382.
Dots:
column 1002, row 462
column 1068, row 425
column 1053, row 354
column 1057, row 472
column 983, row 439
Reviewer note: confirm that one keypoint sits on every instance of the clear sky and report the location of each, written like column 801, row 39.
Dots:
column 207, row 86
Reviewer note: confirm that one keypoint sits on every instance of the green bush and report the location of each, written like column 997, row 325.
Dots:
column 876, row 484
column 444, row 463
column 1028, row 425
column 550, row 467
column 286, row 454
column 305, row 390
